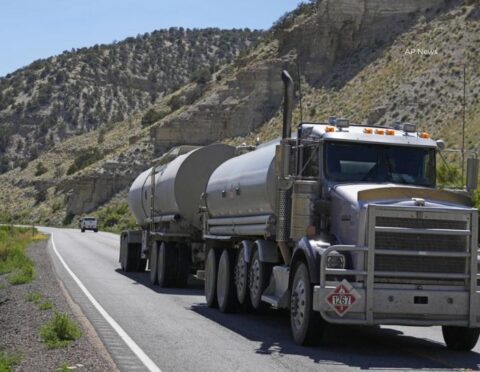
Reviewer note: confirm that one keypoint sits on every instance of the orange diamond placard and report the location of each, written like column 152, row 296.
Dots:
column 342, row 298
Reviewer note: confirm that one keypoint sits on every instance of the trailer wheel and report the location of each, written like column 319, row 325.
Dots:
column 184, row 264
column 211, row 268
column 153, row 263
column 241, row 278
column 132, row 257
column 305, row 324
column 167, row 264
column 226, row 296
column 259, row 275
column 460, row 338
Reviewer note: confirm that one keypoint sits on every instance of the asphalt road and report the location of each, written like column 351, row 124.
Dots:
column 175, row 329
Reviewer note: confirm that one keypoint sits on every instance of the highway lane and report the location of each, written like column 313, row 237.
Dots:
column 176, row 330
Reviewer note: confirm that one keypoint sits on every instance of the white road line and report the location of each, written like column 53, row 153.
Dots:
column 151, row 366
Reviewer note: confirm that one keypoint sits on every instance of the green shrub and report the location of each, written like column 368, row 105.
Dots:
column 60, row 331
column 40, row 169
column 8, row 361
column 34, row 297
column 45, row 305
column 152, row 116
column 85, row 159
column 13, row 258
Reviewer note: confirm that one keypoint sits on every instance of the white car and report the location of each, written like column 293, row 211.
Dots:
column 89, row 223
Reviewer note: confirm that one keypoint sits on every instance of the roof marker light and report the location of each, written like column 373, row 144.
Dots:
column 390, row 132
column 380, row 131
column 409, row 128
column 368, row 130
column 329, row 129
column 424, row 135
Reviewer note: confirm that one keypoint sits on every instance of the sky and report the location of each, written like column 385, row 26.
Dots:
column 33, row 29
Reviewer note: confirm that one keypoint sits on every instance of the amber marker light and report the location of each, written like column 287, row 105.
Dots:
column 368, row 130
column 424, row 135
column 380, row 131
column 329, row 129
column 390, row 132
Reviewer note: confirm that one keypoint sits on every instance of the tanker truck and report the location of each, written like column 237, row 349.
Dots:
column 338, row 223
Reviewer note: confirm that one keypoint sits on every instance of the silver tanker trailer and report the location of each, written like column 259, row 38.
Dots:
column 171, row 235
column 341, row 224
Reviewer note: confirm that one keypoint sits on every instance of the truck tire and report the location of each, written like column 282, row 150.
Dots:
column 132, row 257
column 96, row 230
column 167, row 264
column 460, row 338
column 211, row 269
column 142, row 264
column 83, row 230
column 153, row 262
column 258, row 278
column 226, row 296
column 184, row 263
column 241, row 279
column 305, row 324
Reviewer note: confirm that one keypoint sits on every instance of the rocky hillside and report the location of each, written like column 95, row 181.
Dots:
column 374, row 62
column 81, row 90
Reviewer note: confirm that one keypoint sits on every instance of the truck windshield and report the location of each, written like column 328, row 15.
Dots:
column 354, row 162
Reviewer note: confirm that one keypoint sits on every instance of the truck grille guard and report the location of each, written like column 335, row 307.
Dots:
column 393, row 266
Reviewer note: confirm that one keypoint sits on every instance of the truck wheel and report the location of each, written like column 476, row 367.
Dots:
column 167, row 264
column 96, row 230
column 132, row 257
column 305, row 324
column 258, row 277
column 83, row 230
column 142, row 264
column 241, row 278
column 226, row 296
column 211, row 267
column 153, row 262
column 460, row 338
column 184, row 264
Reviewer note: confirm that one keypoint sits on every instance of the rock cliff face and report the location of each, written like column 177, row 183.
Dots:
column 85, row 193
column 341, row 27
column 332, row 32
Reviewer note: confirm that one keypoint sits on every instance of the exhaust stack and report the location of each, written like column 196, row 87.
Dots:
column 287, row 105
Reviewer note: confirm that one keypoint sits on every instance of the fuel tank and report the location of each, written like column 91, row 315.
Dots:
column 245, row 185
column 179, row 185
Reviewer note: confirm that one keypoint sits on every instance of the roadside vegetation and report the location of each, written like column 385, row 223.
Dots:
column 13, row 257
column 60, row 331
column 115, row 217
column 8, row 361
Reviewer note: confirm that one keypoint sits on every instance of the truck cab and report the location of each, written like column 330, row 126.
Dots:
column 89, row 223
column 385, row 246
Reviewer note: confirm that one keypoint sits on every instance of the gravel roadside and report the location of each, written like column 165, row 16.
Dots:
column 20, row 321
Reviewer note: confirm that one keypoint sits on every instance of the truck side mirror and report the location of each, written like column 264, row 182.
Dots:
column 441, row 145
column 472, row 174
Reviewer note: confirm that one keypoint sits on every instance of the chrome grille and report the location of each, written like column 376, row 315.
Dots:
column 421, row 243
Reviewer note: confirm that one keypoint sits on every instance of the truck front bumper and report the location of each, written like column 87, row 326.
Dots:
column 424, row 307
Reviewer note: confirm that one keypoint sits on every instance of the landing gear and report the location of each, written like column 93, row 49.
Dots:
column 460, row 338
column 226, row 296
column 306, row 325
column 153, row 262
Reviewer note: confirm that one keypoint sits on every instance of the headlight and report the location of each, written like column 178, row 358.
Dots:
column 336, row 261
